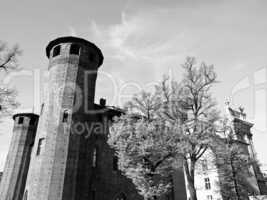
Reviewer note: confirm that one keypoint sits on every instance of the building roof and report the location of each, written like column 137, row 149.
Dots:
column 111, row 111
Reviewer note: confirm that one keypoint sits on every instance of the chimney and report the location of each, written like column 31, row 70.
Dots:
column 102, row 102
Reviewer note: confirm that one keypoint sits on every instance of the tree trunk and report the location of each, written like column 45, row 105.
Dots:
column 190, row 178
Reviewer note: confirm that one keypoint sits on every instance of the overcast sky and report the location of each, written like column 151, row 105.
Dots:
column 143, row 39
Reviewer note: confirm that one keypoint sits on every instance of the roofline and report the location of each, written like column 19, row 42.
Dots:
column 25, row 114
column 243, row 121
column 72, row 39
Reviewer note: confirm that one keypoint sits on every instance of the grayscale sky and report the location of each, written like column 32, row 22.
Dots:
column 141, row 40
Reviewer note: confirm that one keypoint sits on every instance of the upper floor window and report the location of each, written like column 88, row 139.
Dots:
column 32, row 121
column 65, row 116
column 209, row 197
column 56, row 51
column 207, row 183
column 75, row 49
column 40, row 146
column 21, row 119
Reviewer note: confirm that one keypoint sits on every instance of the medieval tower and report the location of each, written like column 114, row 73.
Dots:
column 18, row 158
column 67, row 164
column 56, row 152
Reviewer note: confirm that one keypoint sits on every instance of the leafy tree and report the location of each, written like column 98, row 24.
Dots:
column 8, row 62
column 145, row 147
column 148, row 153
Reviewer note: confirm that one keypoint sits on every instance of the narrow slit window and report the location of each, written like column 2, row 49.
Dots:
column 40, row 146
column 65, row 116
column 56, row 51
column 42, row 108
column 75, row 49
column 115, row 163
column 21, row 119
column 94, row 157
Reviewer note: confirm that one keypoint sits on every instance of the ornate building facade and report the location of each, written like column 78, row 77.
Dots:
column 209, row 176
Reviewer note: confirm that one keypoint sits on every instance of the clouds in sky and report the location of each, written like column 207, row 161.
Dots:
column 143, row 39
column 152, row 39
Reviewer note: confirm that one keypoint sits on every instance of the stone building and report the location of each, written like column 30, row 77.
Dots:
column 208, row 175
column 66, row 156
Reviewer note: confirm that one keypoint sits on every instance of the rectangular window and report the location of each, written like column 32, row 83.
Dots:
column 40, row 146
column 209, row 197
column 20, row 120
column 32, row 122
column 65, row 116
column 75, row 49
column 56, row 51
column 207, row 183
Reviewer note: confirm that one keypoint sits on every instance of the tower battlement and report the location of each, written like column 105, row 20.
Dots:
column 84, row 50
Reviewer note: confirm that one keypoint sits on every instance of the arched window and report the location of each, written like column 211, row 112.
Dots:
column 56, row 51
column 20, row 120
column 121, row 196
column 95, row 155
column 75, row 49
column 25, row 195
column 65, row 116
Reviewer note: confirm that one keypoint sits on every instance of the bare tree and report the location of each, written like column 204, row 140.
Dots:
column 193, row 96
column 186, row 113
column 8, row 62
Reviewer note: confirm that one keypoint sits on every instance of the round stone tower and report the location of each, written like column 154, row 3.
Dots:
column 18, row 158
column 73, row 65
